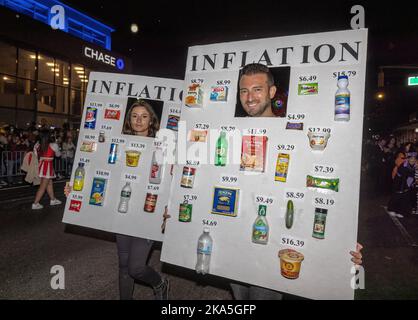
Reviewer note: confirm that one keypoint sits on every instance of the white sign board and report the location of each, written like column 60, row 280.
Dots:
column 323, row 185
column 119, row 108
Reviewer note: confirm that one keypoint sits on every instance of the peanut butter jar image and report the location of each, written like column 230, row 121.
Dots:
column 132, row 158
column 290, row 263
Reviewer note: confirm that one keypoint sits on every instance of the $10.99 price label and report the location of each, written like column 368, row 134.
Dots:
column 100, row 173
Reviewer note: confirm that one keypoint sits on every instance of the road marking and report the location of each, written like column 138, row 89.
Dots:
column 402, row 229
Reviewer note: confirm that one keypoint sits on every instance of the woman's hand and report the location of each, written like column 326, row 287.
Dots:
column 67, row 189
column 165, row 216
column 357, row 256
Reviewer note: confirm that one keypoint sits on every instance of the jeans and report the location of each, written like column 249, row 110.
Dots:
column 133, row 255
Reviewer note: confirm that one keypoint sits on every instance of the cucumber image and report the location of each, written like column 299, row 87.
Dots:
column 289, row 214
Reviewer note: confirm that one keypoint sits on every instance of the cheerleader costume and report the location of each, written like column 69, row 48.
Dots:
column 46, row 160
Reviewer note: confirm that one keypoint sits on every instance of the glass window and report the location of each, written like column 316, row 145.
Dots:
column 7, row 59
column 25, row 94
column 77, row 99
column 24, row 118
column 62, row 76
column 77, row 74
column 62, row 100
column 46, row 97
column 26, row 64
column 7, row 91
column 46, row 67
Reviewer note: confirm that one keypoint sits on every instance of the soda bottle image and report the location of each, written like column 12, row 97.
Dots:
column 156, row 168
column 125, row 195
column 261, row 226
column 79, row 177
column 204, row 250
column 342, row 100
column 221, row 150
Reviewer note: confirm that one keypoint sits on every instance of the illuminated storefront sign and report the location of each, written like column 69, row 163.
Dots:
column 103, row 57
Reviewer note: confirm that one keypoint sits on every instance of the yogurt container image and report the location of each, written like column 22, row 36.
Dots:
column 132, row 158
column 318, row 140
column 290, row 263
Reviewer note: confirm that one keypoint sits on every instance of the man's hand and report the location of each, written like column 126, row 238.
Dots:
column 357, row 256
column 165, row 216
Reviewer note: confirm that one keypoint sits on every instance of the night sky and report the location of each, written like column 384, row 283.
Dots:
column 168, row 28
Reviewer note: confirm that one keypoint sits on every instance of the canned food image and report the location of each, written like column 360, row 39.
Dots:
column 113, row 153
column 150, row 202
column 91, row 115
column 185, row 212
column 187, row 179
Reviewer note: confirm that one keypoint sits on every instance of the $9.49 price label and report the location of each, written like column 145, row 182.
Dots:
column 265, row 200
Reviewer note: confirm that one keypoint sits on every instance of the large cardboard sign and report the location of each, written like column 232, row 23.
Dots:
column 297, row 162
column 114, row 151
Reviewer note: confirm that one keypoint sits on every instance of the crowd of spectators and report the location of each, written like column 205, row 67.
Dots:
column 16, row 142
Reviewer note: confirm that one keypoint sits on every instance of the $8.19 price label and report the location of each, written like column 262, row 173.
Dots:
column 323, row 202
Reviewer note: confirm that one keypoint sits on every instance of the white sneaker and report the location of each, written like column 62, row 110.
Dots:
column 55, row 202
column 37, row 206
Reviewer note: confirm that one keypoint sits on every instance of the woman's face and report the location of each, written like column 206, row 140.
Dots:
column 140, row 121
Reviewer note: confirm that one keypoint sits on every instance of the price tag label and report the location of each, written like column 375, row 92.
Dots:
column 323, row 202
column 189, row 198
column 106, row 127
column 90, row 137
column 175, row 111
column 311, row 78
column 75, row 196
column 266, row 200
column 130, row 177
column 323, row 169
column 103, row 173
column 350, row 74
column 193, row 163
column 228, row 179
column 96, row 104
column 138, row 146
column 118, row 140
column 296, row 116
column 255, row 132
column 197, row 81
column 292, row 242
column 294, row 195
column 228, row 128
column 209, row 223
column 286, row 147
column 319, row 130
column 115, row 106
column 202, row 126
column 84, row 160
column 153, row 187
column 223, row 82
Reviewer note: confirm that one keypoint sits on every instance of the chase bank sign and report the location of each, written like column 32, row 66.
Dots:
column 103, row 58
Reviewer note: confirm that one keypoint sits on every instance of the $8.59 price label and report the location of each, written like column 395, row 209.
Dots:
column 294, row 195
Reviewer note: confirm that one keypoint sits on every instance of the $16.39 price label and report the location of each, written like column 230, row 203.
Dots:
column 292, row 242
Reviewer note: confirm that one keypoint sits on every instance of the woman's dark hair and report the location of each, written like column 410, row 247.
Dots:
column 44, row 140
column 154, row 123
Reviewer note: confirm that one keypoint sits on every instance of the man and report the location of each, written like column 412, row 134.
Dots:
column 256, row 91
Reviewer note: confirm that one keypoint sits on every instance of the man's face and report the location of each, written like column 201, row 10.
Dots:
column 255, row 94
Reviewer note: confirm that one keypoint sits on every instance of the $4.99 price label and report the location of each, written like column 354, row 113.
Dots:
column 130, row 177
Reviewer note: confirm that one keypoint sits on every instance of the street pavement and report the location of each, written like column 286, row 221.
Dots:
column 32, row 242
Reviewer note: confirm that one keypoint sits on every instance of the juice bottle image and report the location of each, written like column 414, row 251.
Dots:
column 261, row 226
column 79, row 177
column 342, row 100
column 221, row 150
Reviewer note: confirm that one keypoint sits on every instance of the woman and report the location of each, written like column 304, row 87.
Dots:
column 141, row 120
column 46, row 150
column 133, row 252
column 68, row 152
